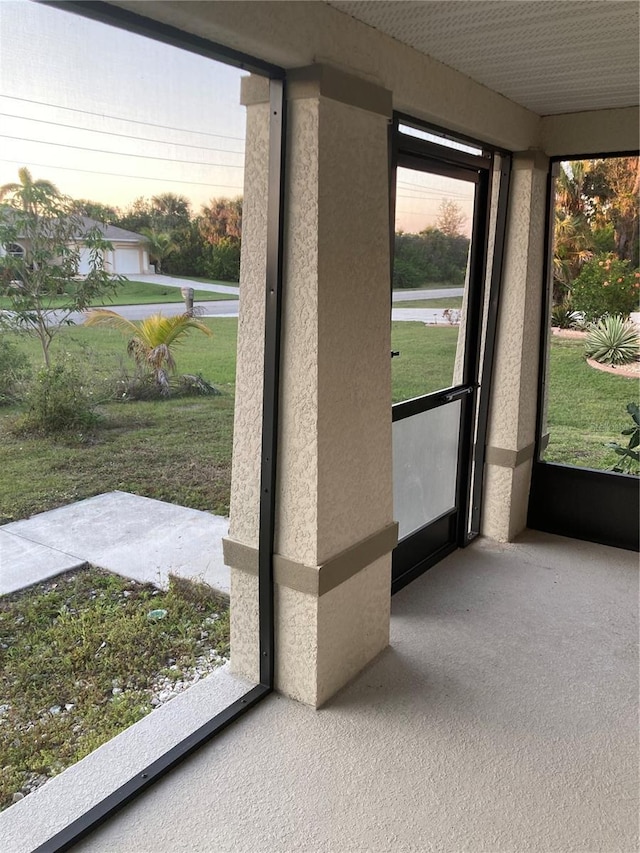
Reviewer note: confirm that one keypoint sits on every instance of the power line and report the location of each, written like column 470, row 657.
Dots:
column 114, row 133
column 120, row 118
column 118, row 153
column 120, row 175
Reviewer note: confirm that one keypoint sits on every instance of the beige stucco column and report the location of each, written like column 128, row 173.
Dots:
column 334, row 528
column 512, row 419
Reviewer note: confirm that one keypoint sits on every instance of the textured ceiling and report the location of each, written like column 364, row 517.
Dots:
column 551, row 56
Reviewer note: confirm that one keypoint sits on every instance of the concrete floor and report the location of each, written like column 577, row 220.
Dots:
column 504, row 717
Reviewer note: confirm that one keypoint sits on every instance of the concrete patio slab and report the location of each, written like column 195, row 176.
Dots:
column 136, row 537
column 23, row 563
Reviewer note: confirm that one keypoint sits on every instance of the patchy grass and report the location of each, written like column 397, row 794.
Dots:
column 81, row 659
column 136, row 293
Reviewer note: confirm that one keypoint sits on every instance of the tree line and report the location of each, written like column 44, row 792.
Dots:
column 181, row 242
column 437, row 254
column 596, row 236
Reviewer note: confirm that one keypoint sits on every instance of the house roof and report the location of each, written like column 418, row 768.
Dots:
column 112, row 232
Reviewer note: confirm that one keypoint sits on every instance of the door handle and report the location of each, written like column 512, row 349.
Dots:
column 457, row 395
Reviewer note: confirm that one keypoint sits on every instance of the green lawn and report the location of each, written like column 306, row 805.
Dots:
column 141, row 293
column 587, row 408
column 427, row 356
column 179, row 450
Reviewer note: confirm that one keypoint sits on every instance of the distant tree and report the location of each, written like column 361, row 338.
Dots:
column 95, row 210
column 573, row 234
column 612, row 187
column 161, row 245
column 170, row 211
column 27, row 192
column 41, row 239
column 137, row 216
column 451, row 218
column 222, row 220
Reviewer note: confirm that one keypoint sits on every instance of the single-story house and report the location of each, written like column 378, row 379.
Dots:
column 129, row 254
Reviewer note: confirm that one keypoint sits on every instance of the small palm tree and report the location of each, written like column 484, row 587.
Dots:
column 152, row 339
column 161, row 245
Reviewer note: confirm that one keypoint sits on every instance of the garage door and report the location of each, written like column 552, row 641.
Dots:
column 84, row 262
column 127, row 261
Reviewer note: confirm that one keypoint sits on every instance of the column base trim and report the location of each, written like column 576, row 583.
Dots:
column 315, row 580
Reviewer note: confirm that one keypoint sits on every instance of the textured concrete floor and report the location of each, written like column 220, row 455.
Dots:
column 503, row 718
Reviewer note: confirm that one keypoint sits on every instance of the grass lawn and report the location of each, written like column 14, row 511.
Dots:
column 586, row 409
column 177, row 450
column 427, row 356
column 87, row 654
column 445, row 302
column 140, row 293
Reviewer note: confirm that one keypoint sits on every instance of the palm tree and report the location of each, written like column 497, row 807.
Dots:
column 28, row 192
column 161, row 245
column 152, row 339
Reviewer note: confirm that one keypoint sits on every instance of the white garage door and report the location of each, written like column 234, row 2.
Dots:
column 127, row 261
column 84, row 262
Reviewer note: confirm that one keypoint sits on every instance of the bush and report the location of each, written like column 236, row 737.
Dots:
column 14, row 371
column 606, row 285
column 613, row 340
column 59, row 401
column 629, row 461
column 564, row 317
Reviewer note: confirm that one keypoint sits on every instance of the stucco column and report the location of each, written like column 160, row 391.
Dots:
column 512, row 419
column 334, row 528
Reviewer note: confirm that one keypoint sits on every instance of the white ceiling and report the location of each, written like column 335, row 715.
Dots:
column 551, row 56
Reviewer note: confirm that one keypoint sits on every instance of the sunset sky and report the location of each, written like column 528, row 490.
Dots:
column 110, row 116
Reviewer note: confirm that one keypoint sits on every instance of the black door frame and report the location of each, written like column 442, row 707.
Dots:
column 423, row 548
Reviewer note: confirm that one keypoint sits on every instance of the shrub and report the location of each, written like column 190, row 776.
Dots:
column 14, row 371
column 629, row 461
column 564, row 317
column 59, row 401
column 613, row 340
column 606, row 285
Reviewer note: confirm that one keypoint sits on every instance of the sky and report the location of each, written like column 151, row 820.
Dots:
column 110, row 116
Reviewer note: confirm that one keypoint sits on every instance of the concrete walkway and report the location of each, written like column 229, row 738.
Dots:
column 136, row 537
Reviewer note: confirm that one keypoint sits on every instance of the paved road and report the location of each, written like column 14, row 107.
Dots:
column 230, row 309
column 439, row 293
